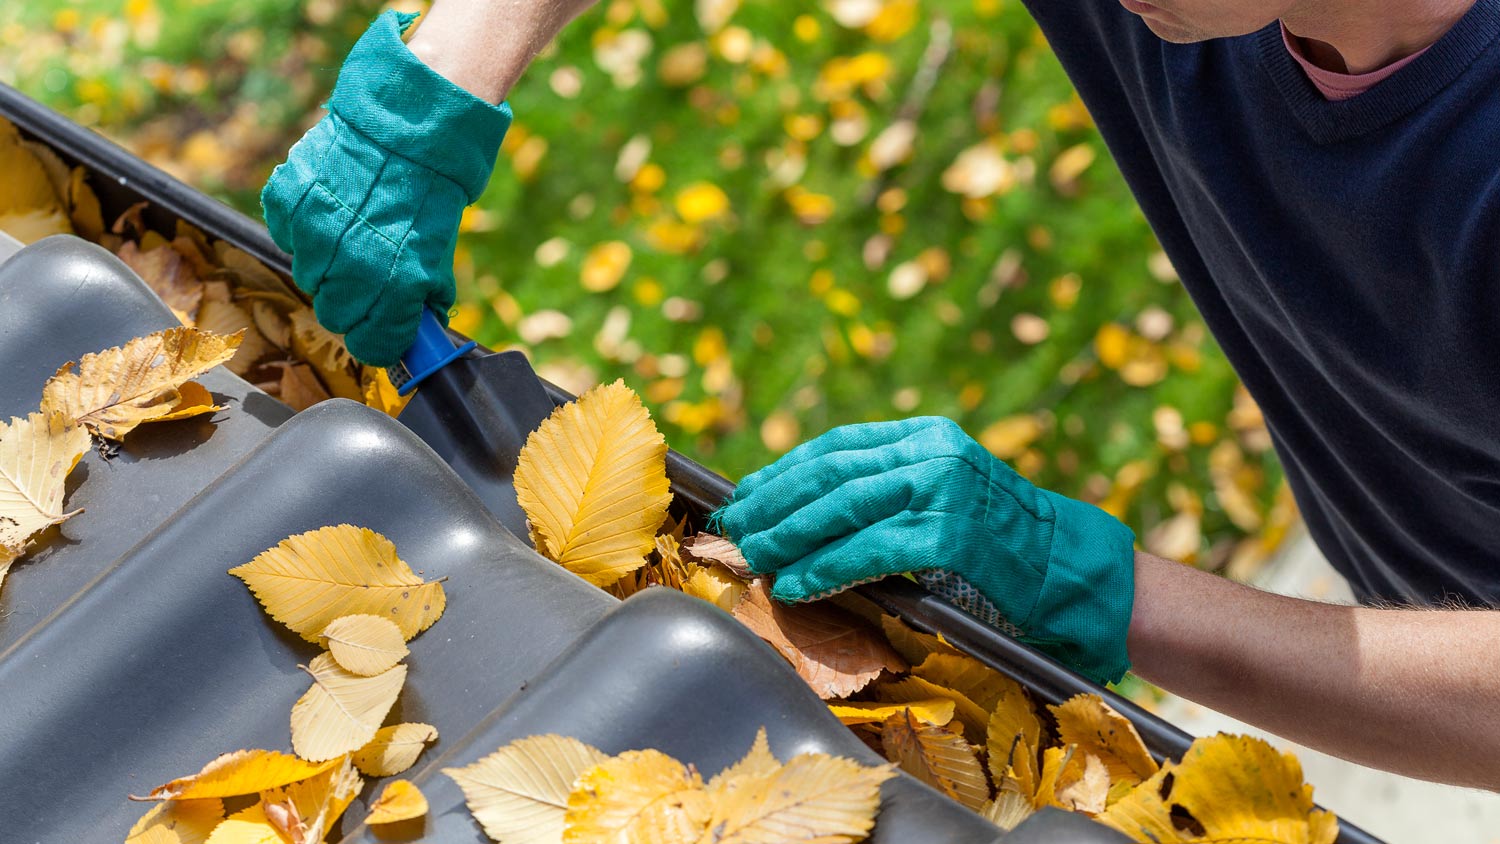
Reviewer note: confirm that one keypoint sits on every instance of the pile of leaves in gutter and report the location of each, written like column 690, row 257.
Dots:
column 592, row 481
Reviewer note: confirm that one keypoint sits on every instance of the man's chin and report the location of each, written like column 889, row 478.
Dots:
column 1173, row 31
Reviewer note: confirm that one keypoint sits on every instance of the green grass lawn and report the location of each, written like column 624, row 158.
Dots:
column 797, row 217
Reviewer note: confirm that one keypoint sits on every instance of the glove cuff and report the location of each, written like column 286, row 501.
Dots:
column 406, row 107
column 1082, row 614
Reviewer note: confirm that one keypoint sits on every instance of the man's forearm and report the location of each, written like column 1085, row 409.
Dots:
column 1412, row 691
column 484, row 46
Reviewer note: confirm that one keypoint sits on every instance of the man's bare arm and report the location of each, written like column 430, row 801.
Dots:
column 484, row 46
column 1411, row 691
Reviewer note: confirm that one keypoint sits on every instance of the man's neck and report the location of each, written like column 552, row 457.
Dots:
column 1359, row 36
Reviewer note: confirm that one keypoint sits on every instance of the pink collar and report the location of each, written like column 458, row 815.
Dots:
column 1343, row 86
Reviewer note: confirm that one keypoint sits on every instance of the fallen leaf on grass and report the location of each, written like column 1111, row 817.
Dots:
column 394, row 749
column 592, row 480
column 1089, row 723
column 937, row 757
column 115, row 390
column 177, row 822
column 833, row 650
column 519, row 793
column 313, row 578
column 341, row 711
column 640, row 795
column 36, row 455
column 365, row 644
column 400, row 801
column 240, row 772
column 707, row 549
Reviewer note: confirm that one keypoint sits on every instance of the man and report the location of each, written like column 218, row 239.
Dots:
column 1324, row 174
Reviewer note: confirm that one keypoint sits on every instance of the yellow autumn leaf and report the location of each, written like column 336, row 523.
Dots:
column 971, row 715
column 1008, row 809
column 247, row 826
column 400, row 801
column 240, row 772
column 341, row 711
column 380, row 393
column 640, row 795
column 305, row 811
column 937, row 757
column 977, row 681
column 1012, row 736
column 1088, row 722
column 394, row 749
column 913, row 645
column 1087, row 786
column 1236, row 788
column 519, row 793
column 937, row 711
column 812, row 797
column 325, row 352
column 117, row 389
column 716, row 585
column 194, row 399
column 310, row 579
column 36, row 455
column 177, row 822
column 757, row 763
column 30, row 208
column 604, row 266
column 364, row 644
column 228, row 318
column 86, row 214
column 592, row 480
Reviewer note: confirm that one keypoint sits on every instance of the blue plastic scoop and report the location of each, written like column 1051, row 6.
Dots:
column 432, row 351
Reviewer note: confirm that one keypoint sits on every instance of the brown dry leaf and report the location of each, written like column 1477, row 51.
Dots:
column 224, row 317
column 1013, row 736
column 832, row 649
column 638, row 796
column 310, row 579
column 592, row 480
column 716, row 585
column 812, row 798
column 117, row 389
column 400, row 801
column 394, row 749
column 936, row 711
column 56, row 170
column 937, row 757
column 914, row 646
column 299, row 387
column 1236, row 788
column 380, row 393
column 167, row 274
column 341, row 711
column 365, row 644
column 36, row 455
column 245, row 271
column 974, row 719
column 706, row 549
column 1088, row 722
column 177, row 822
column 304, row 812
column 978, row 682
column 240, row 772
column 325, row 351
column 519, row 793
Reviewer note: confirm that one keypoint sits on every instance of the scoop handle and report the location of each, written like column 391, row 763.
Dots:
column 432, row 351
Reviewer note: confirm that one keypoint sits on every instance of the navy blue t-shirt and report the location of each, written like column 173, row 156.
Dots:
column 1346, row 255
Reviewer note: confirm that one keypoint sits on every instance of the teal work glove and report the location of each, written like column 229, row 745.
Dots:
column 368, row 202
column 863, row 502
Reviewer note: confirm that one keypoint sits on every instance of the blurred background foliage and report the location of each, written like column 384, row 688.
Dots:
column 769, row 219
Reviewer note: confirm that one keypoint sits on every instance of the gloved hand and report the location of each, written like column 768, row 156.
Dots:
column 368, row 202
column 863, row 502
